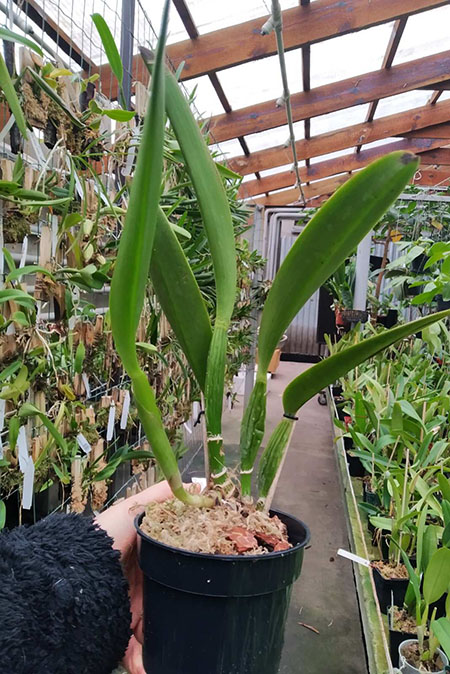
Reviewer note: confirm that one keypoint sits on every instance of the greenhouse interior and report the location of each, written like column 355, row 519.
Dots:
column 225, row 395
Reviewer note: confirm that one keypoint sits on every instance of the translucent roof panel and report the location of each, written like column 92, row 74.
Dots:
column 425, row 34
column 211, row 15
column 273, row 137
column 338, row 120
column 259, row 81
column 402, row 102
column 206, row 99
column 349, row 55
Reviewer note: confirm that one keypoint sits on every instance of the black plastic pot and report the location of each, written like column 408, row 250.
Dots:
column 442, row 304
column 390, row 592
column 395, row 639
column 390, row 319
column 370, row 496
column 217, row 614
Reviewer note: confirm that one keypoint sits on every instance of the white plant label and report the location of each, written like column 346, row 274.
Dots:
column 28, row 485
column 1, row 448
column 125, row 410
column 111, row 422
column 2, row 414
column 23, row 259
column 83, row 444
column 353, row 558
column 188, row 428
column 201, row 481
column 87, row 386
column 23, row 449
column 195, row 409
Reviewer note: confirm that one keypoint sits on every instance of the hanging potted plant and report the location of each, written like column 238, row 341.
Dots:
column 218, row 558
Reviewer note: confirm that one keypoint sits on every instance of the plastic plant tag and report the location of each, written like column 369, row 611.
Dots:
column 2, row 414
column 23, row 449
column 125, row 410
column 28, row 485
column 196, row 409
column 83, row 444
column 201, row 481
column 1, row 447
column 353, row 558
column 85, row 379
column 111, row 422
column 23, row 258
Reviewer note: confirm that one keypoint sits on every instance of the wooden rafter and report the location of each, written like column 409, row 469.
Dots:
column 334, row 96
column 434, row 131
column 191, row 29
column 393, row 44
column 440, row 156
column 346, row 163
column 425, row 177
column 306, row 76
column 435, row 96
column 302, row 25
column 341, row 139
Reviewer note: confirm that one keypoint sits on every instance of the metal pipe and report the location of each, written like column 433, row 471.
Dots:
column 286, row 99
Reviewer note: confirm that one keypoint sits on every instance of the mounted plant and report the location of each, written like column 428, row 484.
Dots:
column 222, row 521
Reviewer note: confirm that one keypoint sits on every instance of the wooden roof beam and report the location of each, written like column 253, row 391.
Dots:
column 334, row 96
column 346, row 163
column 302, row 25
column 430, row 178
column 191, row 29
column 341, row 139
column 394, row 41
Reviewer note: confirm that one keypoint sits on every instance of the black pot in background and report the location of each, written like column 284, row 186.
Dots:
column 370, row 496
column 355, row 467
column 442, row 305
column 45, row 502
column 216, row 614
column 337, row 390
column 390, row 319
column 395, row 639
column 418, row 264
column 390, row 592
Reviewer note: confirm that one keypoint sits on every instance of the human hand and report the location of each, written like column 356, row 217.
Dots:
column 118, row 522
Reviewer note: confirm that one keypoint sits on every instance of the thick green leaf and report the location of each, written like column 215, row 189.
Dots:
column 2, row 514
column 216, row 217
column 28, row 269
column 29, row 410
column 316, row 378
column 119, row 115
column 436, row 578
column 110, row 47
column 444, row 484
column 441, row 630
column 132, row 268
column 46, row 88
column 333, row 233
column 79, row 358
column 18, row 296
column 180, row 297
column 6, row 34
column 9, row 92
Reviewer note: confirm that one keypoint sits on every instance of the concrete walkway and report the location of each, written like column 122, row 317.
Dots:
column 325, row 596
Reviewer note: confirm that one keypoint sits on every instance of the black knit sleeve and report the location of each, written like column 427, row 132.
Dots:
column 64, row 606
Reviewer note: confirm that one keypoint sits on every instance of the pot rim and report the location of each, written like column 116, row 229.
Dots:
column 388, row 580
column 444, row 658
column 228, row 558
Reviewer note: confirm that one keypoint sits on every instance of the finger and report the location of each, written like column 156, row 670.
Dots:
column 139, row 631
column 133, row 661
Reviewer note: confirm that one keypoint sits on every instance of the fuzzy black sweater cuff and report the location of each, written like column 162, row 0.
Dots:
column 64, row 606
